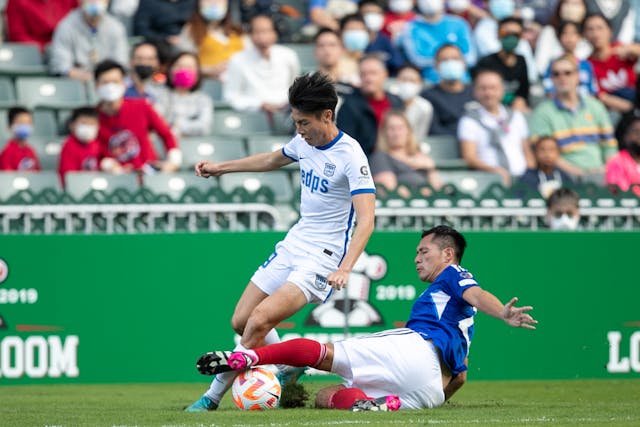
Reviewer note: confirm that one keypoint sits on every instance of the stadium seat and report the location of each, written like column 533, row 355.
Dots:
column 50, row 92
column 263, row 144
column 79, row 184
column 240, row 123
column 444, row 150
column 21, row 59
column 7, row 93
column 473, row 183
column 213, row 88
column 277, row 181
column 14, row 182
column 305, row 55
column 175, row 184
column 48, row 151
column 212, row 148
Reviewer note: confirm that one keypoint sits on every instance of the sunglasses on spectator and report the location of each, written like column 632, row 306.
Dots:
column 559, row 73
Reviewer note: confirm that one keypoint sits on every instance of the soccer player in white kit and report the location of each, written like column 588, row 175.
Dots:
column 416, row 367
column 319, row 251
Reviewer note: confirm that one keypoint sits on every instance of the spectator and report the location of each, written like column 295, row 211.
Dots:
column 330, row 57
column 259, row 77
column 569, row 35
column 623, row 169
column 563, row 210
column 550, row 36
column 421, row 37
column 398, row 161
column 618, row 14
column 362, row 110
column 400, row 12
column 450, row 96
column 146, row 79
column 328, row 13
column 125, row 125
column 188, row 110
column 162, row 20
column 546, row 176
column 81, row 149
column 379, row 43
column 212, row 34
column 355, row 39
column 84, row 37
column 511, row 66
column 613, row 64
column 418, row 110
column 543, row 10
column 33, row 21
column 466, row 10
column 486, row 35
column 493, row 137
column 17, row 154
column 580, row 124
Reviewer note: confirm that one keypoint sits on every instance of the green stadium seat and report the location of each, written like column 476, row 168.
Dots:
column 51, row 92
column 277, row 181
column 236, row 123
column 264, row 143
column 79, row 184
column 305, row 52
column 176, row 184
column 213, row 88
column 474, row 183
column 48, row 151
column 21, row 59
column 7, row 93
column 45, row 123
column 444, row 150
column 13, row 182
column 215, row 148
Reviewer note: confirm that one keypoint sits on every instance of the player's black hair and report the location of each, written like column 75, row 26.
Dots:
column 448, row 237
column 107, row 65
column 563, row 194
column 83, row 112
column 313, row 93
column 15, row 112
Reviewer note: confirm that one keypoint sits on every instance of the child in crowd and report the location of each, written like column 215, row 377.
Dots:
column 563, row 210
column 81, row 149
column 546, row 177
column 18, row 155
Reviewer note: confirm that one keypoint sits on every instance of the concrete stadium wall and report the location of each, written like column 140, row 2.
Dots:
column 142, row 308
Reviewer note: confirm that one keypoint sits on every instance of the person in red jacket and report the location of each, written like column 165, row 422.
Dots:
column 81, row 150
column 18, row 155
column 33, row 21
column 125, row 124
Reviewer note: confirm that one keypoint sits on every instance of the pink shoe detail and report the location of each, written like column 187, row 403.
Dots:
column 239, row 361
column 393, row 402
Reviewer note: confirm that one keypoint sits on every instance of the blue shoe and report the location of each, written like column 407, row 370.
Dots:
column 289, row 374
column 203, row 404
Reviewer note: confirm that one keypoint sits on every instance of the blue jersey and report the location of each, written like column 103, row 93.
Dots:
column 443, row 316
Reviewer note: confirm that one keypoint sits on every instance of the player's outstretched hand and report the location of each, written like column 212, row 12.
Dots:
column 517, row 316
column 206, row 169
column 338, row 279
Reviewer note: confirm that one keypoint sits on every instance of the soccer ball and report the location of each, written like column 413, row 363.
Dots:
column 256, row 389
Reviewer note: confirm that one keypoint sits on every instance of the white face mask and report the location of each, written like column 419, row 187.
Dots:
column 564, row 223
column 408, row 90
column 431, row 7
column 85, row 132
column 373, row 21
column 458, row 6
column 400, row 6
column 110, row 92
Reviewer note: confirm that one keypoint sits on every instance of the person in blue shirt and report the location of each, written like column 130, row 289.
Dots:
column 416, row 367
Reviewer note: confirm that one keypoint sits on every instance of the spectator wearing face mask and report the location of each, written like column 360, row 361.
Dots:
column 188, row 110
column 623, row 169
column 17, row 154
column 451, row 95
column 422, row 36
column 213, row 36
column 563, row 210
column 400, row 12
column 145, row 79
column 86, row 36
column 81, row 149
column 379, row 43
column 355, row 39
column 418, row 110
column 488, row 41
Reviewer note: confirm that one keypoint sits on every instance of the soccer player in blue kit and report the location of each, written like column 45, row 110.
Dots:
column 419, row 366
column 319, row 251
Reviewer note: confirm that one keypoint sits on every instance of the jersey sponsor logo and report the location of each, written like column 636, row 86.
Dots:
column 312, row 181
column 321, row 282
column 364, row 170
column 329, row 169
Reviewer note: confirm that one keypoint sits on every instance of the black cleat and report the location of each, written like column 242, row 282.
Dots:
column 214, row 362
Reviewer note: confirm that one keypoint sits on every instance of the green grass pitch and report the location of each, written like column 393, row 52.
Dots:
column 513, row 403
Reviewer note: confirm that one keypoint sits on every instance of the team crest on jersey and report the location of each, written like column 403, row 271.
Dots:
column 321, row 282
column 329, row 169
column 466, row 275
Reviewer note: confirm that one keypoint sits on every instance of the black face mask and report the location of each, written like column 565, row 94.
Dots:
column 143, row 71
column 634, row 149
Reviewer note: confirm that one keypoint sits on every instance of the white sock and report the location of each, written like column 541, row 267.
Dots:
column 222, row 382
column 272, row 337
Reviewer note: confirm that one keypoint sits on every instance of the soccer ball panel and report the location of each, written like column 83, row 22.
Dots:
column 256, row 389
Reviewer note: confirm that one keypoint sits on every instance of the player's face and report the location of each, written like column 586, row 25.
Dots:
column 316, row 130
column 430, row 259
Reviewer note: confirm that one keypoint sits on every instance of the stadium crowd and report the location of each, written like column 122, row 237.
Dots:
column 539, row 95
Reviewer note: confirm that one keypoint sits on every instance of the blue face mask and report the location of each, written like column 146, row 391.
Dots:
column 22, row 131
column 501, row 9
column 213, row 12
column 451, row 69
column 355, row 40
column 94, row 9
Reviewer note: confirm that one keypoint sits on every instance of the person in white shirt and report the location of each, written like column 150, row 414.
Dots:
column 492, row 137
column 317, row 254
column 258, row 77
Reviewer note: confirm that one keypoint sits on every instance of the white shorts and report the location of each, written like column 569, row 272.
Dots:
column 308, row 271
column 396, row 361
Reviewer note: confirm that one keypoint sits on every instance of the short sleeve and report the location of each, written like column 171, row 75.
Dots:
column 292, row 148
column 358, row 173
column 458, row 280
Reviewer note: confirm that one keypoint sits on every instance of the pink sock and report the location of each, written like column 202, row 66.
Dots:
column 295, row 352
column 345, row 398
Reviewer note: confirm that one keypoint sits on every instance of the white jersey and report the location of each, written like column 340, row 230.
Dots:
column 329, row 177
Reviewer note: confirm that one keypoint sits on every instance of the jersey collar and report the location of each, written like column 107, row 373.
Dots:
column 332, row 143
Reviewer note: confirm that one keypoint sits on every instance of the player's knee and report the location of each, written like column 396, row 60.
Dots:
column 238, row 324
